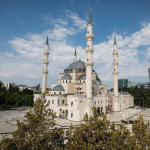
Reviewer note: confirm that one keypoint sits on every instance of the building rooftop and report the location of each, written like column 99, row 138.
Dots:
column 58, row 88
column 77, row 64
column 66, row 77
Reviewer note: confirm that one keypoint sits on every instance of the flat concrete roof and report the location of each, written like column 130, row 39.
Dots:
column 8, row 119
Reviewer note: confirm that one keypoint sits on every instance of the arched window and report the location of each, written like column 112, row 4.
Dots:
column 63, row 102
column 114, row 69
column 71, row 115
column 71, row 104
column 93, row 91
column 66, row 81
column 101, row 91
column 60, row 93
column 54, row 92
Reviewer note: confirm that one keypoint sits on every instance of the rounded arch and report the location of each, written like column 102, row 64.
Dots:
column 60, row 113
column 101, row 91
column 93, row 91
column 101, row 109
column 63, row 102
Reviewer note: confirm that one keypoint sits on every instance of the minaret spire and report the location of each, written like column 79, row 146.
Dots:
column 115, row 42
column 89, row 64
column 47, row 41
column 75, row 55
column 90, row 19
column 45, row 65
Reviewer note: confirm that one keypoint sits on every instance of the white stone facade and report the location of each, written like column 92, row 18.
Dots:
column 79, row 88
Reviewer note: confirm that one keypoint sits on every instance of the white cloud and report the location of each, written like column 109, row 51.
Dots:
column 25, row 61
column 77, row 21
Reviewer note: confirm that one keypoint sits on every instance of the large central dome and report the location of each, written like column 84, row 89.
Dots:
column 77, row 64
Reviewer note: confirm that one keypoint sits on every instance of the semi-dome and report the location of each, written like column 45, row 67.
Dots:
column 77, row 64
column 58, row 88
column 83, row 77
column 66, row 77
column 97, row 78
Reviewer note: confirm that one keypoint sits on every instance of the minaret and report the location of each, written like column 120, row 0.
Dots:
column 115, row 64
column 89, row 63
column 45, row 64
column 75, row 56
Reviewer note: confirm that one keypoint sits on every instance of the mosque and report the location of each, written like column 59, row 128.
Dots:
column 79, row 87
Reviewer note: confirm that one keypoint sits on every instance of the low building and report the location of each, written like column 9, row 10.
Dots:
column 146, row 85
column 21, row 87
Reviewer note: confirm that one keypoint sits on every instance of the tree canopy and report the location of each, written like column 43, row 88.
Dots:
column 15, row 98
column 91, row 134
column 34, row 132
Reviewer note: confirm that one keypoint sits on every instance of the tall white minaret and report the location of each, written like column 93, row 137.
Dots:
column 45, row 64
column 89, row 63
column 75, row 55
column 115, row 64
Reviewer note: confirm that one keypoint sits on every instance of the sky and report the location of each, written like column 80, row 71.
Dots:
column 24, row 26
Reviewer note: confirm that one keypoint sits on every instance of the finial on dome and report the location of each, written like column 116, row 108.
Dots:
column 75, row 53
column 90, row 19
column 115, row 42
column 47, row 41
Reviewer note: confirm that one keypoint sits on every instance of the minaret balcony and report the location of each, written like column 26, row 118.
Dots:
column 46, row 52
column 45, row 62
column 89, row 49
column 45, row 71
column 89, row 63
column 115, row 62
column 115, row 52
column 115, row 72
column 90, row 36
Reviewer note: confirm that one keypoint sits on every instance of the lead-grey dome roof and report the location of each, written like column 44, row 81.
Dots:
column 77, row 64
column 66, row 77
column 58, row 88
column 83, row 77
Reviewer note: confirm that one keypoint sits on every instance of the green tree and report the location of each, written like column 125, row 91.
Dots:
column 34, row 133
column 111, row 89
column 139, row 129
column 99, row 134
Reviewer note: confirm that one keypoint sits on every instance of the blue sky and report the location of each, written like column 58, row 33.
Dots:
column 24, row 26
